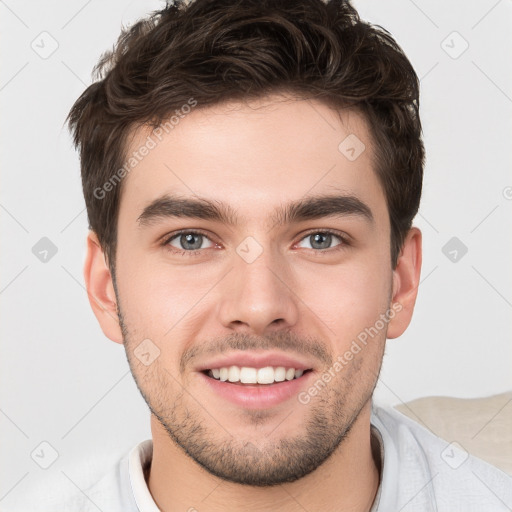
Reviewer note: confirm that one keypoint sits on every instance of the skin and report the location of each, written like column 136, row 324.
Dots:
column 207, row 452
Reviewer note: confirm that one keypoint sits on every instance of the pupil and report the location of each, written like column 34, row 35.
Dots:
column 317, row 242
column 188, row 239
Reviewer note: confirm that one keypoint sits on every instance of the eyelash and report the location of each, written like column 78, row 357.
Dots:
column 344, row 241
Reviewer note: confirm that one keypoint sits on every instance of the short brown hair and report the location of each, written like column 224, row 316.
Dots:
column 219, row 50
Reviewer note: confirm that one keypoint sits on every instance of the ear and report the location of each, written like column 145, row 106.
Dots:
column 100, row 289
column 406, row 279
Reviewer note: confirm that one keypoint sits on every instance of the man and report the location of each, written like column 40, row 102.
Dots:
column 251, row 170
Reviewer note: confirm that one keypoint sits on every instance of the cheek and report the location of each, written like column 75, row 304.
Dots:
column 348, row 299
column 159, row 300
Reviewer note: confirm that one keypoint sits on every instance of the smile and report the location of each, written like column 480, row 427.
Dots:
column 248, row 375
column 256, row 388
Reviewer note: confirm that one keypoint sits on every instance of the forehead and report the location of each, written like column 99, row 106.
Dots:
column 253, row 156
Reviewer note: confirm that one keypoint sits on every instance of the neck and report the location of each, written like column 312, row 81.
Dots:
column 348, row 480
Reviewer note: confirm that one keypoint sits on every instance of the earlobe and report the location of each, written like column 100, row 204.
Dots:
column 100, row 289
column 406, row 277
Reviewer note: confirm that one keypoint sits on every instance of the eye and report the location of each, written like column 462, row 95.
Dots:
column 321, row 240
column 191, row 243
column 188, row 241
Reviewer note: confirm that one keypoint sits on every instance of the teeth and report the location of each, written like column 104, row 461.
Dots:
column 247, row 375
column 233, row 374
column 280, row 374
column 266, row 375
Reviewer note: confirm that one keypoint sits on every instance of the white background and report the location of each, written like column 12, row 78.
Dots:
column 63, row 382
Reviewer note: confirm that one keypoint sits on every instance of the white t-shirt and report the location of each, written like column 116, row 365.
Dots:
column 421, row 473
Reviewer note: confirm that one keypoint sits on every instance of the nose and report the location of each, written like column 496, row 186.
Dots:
column 258, row 297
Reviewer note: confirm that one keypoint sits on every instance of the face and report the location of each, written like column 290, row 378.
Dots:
column 272, row 250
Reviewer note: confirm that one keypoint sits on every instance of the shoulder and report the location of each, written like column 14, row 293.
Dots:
column 110, row 490
column 115, row 490
column 425, row 472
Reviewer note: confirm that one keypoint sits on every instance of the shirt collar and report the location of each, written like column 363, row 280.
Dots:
column 139, row 462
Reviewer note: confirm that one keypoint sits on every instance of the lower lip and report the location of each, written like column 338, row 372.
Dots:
column 257, row 396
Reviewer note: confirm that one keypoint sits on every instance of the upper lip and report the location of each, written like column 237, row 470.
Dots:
column 256, row 360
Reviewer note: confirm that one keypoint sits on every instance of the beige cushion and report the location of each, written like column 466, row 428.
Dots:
column 482, row 426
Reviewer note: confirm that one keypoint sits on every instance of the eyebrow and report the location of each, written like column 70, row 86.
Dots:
column 309, row 208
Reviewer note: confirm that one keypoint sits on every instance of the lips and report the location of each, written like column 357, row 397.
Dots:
column 257, row 396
